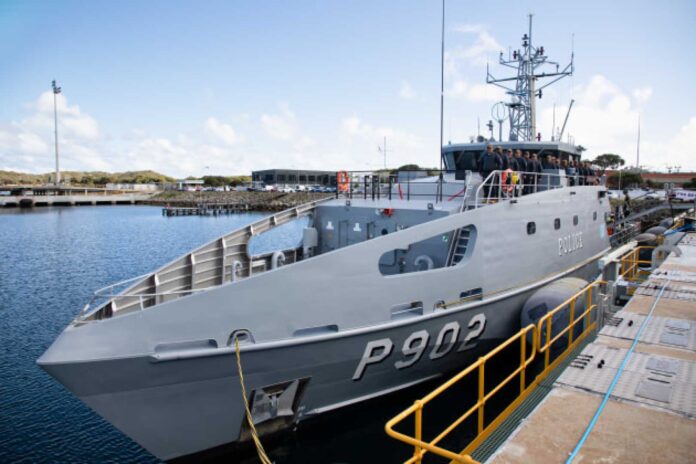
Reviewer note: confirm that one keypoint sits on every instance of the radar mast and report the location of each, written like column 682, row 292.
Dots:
column 528, row 62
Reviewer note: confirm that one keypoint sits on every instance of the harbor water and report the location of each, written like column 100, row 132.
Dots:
column 53, row 259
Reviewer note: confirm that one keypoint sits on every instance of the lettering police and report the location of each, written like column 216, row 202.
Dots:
column 569, row 243
column 416, row 344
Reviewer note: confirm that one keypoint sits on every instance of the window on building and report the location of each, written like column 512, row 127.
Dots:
column 594, row 216
column 575, row 220
column 557, row 223
column 281, row 177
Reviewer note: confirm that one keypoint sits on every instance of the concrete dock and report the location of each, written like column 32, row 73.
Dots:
column 650, row 415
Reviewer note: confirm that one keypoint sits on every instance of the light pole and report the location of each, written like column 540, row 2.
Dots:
column 56, row 91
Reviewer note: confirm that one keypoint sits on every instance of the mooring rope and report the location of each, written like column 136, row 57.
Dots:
column 254, row 435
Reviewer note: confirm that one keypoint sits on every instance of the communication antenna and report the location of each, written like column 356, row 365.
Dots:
column 383, row 150
column 499, row 112
column 522, row 88
column 638, row 146
column 442, row 85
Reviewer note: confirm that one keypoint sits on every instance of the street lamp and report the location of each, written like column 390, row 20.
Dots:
column 56, row 91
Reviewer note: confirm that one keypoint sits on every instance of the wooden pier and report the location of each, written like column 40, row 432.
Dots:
column 205, row 210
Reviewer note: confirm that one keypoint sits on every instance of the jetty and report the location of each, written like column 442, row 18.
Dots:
column 622, row 388
column 27, row 197
column 205, row 209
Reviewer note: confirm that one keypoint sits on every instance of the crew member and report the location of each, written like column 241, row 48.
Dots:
column 489, row 162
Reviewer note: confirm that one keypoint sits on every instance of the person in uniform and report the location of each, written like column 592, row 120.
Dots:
column 489, row 162
column 522, row 168
column 536, row 169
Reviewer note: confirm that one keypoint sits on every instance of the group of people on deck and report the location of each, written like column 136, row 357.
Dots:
column 526, row 169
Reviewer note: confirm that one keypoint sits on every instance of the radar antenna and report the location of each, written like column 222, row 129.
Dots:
column 526, row 62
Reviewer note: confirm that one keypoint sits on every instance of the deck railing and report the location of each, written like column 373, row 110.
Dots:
column 506, row 185
column 223, row 260
column 582, row 319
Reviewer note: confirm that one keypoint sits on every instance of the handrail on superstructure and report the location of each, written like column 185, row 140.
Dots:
column 541, row 344
column 501, row 185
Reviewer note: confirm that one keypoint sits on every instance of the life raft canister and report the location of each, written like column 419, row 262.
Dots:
column 343, row 181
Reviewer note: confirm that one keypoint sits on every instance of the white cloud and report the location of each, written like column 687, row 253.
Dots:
column 484, row 45
column 605, row 120
column 28, row 145
column 281, row 126
column 223, row 131
column 642, row 94
column 407, row 92
column 361, row 139
column 476, row 92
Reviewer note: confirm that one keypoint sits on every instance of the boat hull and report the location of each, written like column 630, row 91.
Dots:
column 177, row 406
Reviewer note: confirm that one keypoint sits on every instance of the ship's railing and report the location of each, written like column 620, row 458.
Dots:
column 505, row 185
column 579, row 314
column 422, row 184
column 223, row 260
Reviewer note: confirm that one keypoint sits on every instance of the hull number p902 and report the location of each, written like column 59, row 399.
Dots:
column 416, row 344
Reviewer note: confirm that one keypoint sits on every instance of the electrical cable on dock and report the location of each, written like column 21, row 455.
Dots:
column 607, row 395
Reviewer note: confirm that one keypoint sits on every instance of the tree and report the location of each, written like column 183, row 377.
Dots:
column 691, row 184
column 608, row 160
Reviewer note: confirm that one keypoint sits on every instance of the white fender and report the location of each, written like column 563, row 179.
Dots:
column 236, row 268
column 277, row 260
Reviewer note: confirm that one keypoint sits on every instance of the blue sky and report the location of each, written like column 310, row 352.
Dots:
column 226, row 87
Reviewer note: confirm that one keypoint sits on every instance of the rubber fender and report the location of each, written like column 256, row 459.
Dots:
column 656, row 230
column 667, row 222
column 548, row 298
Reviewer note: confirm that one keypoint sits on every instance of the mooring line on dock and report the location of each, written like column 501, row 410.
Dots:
column 615, row 380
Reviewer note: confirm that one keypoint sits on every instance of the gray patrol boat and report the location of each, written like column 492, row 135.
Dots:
column 396, row 280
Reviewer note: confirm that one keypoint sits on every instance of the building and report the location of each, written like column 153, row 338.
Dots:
column 661, row 178
column 294, row 177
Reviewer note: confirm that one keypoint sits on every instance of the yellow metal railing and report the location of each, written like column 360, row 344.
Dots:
column 541, row 345
column 630, row 269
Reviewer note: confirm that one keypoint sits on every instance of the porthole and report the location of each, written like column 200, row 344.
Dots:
column 557, row 223
column 385, row 231
column 531, row 228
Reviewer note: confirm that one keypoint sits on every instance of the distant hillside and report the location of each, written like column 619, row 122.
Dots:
column 84, row 178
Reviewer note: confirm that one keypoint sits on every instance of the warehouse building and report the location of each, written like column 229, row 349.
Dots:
column 294, row 177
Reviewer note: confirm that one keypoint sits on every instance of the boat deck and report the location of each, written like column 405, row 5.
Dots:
column 650, row 415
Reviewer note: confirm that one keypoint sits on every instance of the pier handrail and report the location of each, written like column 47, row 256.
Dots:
column 589, row 319
column 630, row 269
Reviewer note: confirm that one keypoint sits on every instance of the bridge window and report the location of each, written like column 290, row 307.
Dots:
column 557, row 223
column 531, row 228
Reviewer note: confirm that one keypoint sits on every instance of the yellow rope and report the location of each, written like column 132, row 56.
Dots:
column 259, row 446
